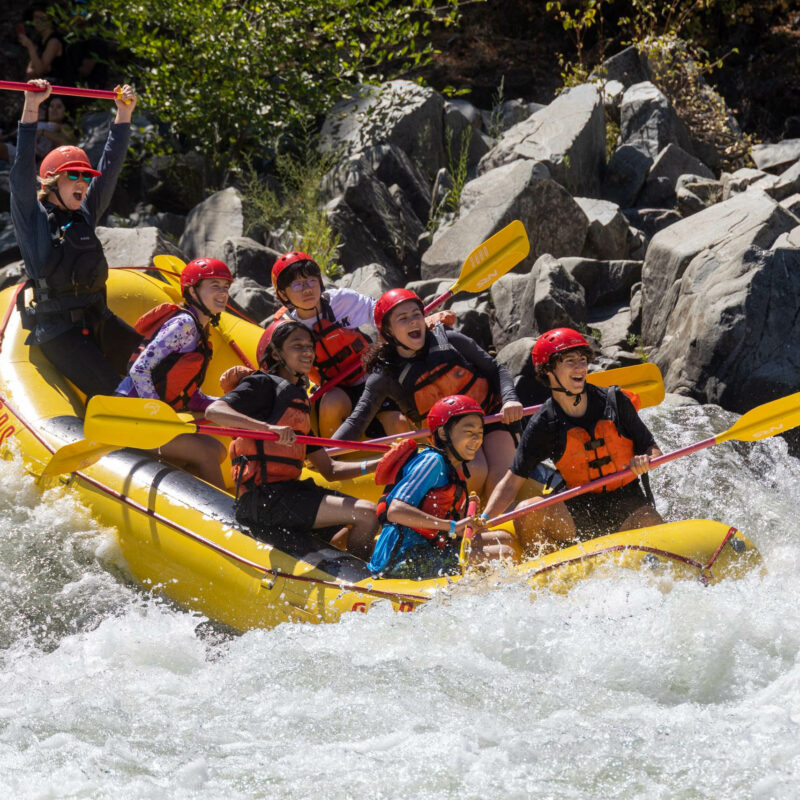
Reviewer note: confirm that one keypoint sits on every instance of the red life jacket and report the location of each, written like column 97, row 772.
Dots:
column 179, row 375
column 254, row 461
column 445, row 502
column 444, row 372
column 334, row 344
column 585, row 457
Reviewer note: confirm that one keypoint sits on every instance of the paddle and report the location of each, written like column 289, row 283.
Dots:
column 644, row 379
column 172, row 265
column 758, row 423
column 466, row 539
column 70, row 91
column 482, row 267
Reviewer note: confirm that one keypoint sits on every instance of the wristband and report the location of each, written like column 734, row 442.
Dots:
column 452, row 529
column 483, row 517
column 364, row 467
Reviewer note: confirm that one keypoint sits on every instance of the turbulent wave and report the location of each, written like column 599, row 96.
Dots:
column 627, row 687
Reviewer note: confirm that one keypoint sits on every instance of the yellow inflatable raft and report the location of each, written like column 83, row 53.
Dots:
column 179, row 537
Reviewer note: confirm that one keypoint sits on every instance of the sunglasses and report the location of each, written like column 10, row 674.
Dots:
column 298, row 286
column 75, row 176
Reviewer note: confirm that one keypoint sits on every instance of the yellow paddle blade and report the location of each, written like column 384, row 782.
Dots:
column 76, row 456
column 493, row 258
column 764, row 421
column 133, row 422
column 644, row 379
column 170, row 264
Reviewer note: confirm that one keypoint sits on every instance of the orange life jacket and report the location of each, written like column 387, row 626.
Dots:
column 179, row 375
column 588, row 457
column 445, row 502
column 254, row 461
column 444, row 372
column 334, row 344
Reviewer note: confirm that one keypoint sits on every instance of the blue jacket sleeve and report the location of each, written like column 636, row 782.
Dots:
column 101, row 190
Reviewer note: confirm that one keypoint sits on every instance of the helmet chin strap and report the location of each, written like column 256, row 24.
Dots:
column 448, row 446
column 567, row 392
column 196, row 301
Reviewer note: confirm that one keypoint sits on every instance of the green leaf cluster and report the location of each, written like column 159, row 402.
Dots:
column 234, row 76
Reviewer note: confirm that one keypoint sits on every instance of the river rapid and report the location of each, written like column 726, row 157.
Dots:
column 625, row 688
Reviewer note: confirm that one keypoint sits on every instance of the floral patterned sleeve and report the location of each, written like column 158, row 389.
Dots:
column 177, row 335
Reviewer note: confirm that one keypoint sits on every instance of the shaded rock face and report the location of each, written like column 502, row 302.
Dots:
column 554, row 221
column 135, row 247
column 553, row 299
column 211, row 222
column 568, row 136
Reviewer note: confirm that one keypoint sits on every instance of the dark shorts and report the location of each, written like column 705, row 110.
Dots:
column 287, row 506
column 597, row 514
column 425, row 561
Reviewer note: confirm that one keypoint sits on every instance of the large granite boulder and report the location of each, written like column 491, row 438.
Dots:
column 247, row 258
column 648, row 121
column 135, row 247
column 507, row 294
column 719, row 235
column 607, row 237
column 779, row 155
column 211, row 222
column 521, row 190
column 660, row 187
column 604, row 282
column 568, row 136
column 372, row 280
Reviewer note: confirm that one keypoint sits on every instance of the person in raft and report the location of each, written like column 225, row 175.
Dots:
column 334, row 317
column 67, row 270
column 270, row 496
column 587, row 432
column 416, row 366
column 423, row 508
column 171, row 362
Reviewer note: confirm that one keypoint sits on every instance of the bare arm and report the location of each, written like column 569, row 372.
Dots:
column 405, row 514
column 504, row 494
column 223, row 414
column 331, row 469
column 38, row 66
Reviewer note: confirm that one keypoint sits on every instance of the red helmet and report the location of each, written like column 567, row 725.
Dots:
column 452, row 407
column 266, row 338
column 388, row 300
column 556, row 341
column 285, row 261
column 201, row 269
column 66, row 159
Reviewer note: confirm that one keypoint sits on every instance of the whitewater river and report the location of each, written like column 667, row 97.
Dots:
column 624, row 688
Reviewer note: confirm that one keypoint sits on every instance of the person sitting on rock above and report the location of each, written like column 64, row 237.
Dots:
column 587, row 432
column 415, row 367
column 423, row 508
column 69, row 318
column 172, row 361
column 334, row 316
column 46, row 49
column 270, row 497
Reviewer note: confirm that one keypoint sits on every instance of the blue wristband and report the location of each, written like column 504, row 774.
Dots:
column 364, row 467
column 452, row 529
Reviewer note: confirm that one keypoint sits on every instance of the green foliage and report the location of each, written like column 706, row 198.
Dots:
column 495, row 119
column 577, row 19
column 457, row 167
column 296, row 209
column 233, row 76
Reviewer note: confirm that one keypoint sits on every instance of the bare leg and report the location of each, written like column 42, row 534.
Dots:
column 537, row 530
column 358, row 514
column 498, row 448
column 333, row 409
column 197, row 453
column 393, row 422
column 492, row 545
column 641, row 518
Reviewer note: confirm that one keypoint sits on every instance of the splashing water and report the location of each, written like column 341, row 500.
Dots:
column 623, row 688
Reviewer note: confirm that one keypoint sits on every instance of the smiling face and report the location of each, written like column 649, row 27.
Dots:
column 302, row 290
column 297, row 351
column 569, row 371
column 406, row 324
column 71, row 187
column 466, row 435
column 213, row 294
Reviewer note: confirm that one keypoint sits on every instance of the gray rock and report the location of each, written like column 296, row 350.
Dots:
column 553, row 299
column 651, row 220
column 736, row 182
column 611, row 326
column 625, row 175
column 604, row 282
column 786, row 184
column 373, row 280
column 612, row 92
column 135, row 247
column 734, row 335
column 399, row 112
column 694, row 193
column 472, row 318
column 648, row 121
column 246, row 258
column 568, row 136
column 507, row 294
column 210, row 223
column 720, row 234
column 660, row 186
column 792, row 204
column 507, row 114
column 258, row 302
column 553, row 220
column 470, row 112
column 637, row 244
column 516, row 355
column 11, row 274
column 628, row 67
column 461, row 140
column 357, row 246
column 607, row 237
column 787, row 240
column 771, row 156
column 635, row 326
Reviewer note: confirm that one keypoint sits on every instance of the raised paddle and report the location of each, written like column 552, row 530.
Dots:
column 69, row 91
column 172, row 265
column 643, row 379
column 466, row 540
column 482, row 267
column 758, row 423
